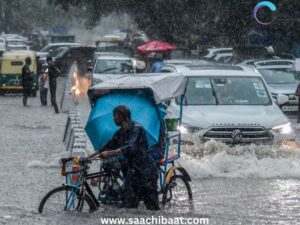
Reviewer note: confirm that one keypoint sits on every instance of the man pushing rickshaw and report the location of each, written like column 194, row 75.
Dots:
column 134, row 103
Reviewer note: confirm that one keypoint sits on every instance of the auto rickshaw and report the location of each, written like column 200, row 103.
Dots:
column 11, row 71
column 108, row 40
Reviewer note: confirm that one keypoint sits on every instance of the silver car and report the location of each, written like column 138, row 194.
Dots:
column 281, row 78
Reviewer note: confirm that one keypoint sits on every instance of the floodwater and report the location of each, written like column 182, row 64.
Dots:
column 241, row 185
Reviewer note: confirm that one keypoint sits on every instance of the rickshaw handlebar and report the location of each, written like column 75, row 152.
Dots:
column 76, row 160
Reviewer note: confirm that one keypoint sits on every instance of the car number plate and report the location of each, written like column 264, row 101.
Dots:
column 293, row 108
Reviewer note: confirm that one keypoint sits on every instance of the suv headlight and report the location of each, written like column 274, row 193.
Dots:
column 187, row 129
column 283, row 129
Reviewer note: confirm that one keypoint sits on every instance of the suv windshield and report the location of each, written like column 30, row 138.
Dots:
column 278, row 76
column 113, row 66
column 226, row 91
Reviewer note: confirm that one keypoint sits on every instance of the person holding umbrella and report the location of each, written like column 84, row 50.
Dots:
column 139, row 168
column 158, row 48
column 158, row 64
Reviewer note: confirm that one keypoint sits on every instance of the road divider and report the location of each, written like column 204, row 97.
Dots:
column 74, row 135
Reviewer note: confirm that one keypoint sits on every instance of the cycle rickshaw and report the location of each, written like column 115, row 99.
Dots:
column 144, row 95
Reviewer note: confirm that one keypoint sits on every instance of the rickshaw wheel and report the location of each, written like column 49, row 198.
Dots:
column 55, row 201
column 177, row 191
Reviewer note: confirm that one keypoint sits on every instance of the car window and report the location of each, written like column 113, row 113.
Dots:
column 58, row 52
column 278, row 76
column 111, row 66
column 16, row 63
column 47, row 48
column 226, row 91
column 199, row 91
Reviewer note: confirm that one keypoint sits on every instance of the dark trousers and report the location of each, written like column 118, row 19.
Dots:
column 53, row 95
column 26, row 93
column 136, row 190
column 43, row 95
column 53, row 92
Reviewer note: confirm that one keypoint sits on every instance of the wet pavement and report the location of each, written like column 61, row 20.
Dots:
column 230, row 185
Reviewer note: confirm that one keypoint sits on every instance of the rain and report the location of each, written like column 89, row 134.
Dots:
column 213, row 84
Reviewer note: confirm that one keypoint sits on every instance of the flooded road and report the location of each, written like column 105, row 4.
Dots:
column 241, row 185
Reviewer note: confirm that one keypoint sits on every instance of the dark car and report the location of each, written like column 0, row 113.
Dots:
column 66, row 58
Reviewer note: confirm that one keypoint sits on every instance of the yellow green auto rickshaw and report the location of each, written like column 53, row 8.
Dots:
column 11, row 71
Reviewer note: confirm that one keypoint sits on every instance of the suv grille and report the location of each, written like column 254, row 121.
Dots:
column 237, row 135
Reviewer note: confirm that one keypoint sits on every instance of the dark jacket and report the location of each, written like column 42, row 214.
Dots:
column 53, row 73
column 27, row 78
column 133, row 144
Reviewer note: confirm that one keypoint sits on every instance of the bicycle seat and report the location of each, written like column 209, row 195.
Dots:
column 170, row 157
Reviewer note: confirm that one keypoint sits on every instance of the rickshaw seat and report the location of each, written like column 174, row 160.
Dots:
column 170, row 157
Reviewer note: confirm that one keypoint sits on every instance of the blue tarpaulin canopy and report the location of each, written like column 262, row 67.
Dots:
column 143, row 94
column 101, row 127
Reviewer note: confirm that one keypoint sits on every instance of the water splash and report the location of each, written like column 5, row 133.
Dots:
column 215, row 159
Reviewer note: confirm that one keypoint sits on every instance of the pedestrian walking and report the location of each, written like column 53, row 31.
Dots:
column 43, row 85
column 53, row 73
column 27, row 80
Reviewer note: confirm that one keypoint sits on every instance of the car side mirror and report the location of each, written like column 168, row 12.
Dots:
column 282, row 99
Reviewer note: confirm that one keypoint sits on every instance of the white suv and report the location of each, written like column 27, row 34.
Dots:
column 111, row 66
column 231, row 104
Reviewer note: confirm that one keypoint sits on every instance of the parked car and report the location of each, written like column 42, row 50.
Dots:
column 231, row 104
column 212, row 52
column 98, row 54
column 51, row 47
column 281, row 77
column 223, row 58
column 15, row 44
column 14, row 36
column 111, row 66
